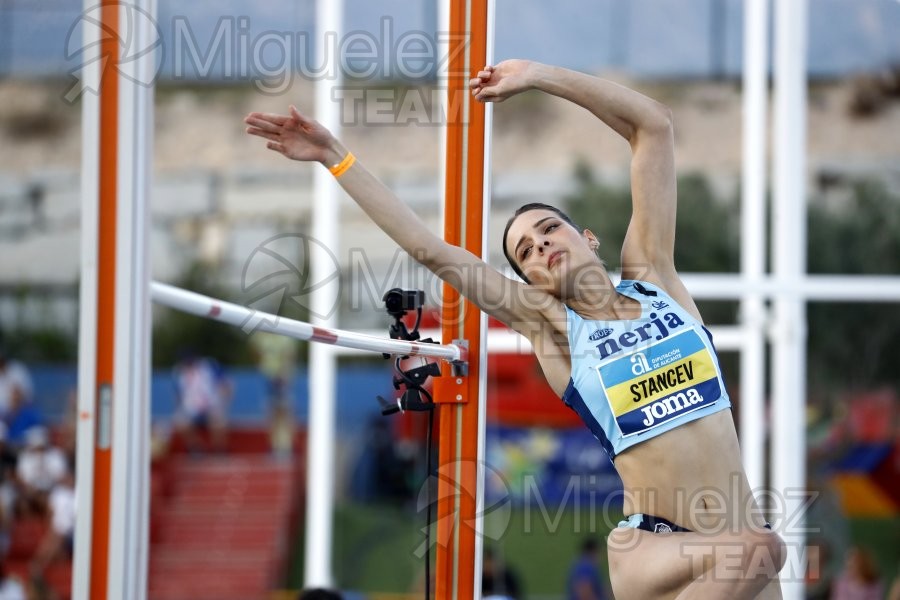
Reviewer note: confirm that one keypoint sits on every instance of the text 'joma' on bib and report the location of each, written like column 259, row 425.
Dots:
column 660, row 382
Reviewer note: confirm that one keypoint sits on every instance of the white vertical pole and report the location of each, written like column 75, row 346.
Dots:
column 483, row 358
column 322, row 358
column 87, row 307
column 112, row 487
column 129, row 509
column 753, row 239
column 789, row 356
column 442, row 43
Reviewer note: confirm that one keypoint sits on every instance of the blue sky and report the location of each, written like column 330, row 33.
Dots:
column 648, row 38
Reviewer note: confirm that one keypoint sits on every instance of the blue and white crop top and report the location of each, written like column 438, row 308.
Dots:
column 633, row 380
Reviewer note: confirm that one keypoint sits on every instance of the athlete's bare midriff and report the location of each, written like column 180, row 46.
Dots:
column 692, row 476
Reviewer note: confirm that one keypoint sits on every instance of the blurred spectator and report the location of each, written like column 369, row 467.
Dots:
column 67, row 429
column 10, row 587
column 859, row 579
column 498, row 581
column 203, row 392
column 819, row 571
column 276, row 356
column 40, row 468
column 60, row 535
column 391, row 470
column 16, row 409
column 585, row 582
column 160, row 438
column 7, row 490
column 15, row 384
column 22, row 417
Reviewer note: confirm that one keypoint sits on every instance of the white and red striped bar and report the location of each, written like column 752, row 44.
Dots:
column 240, row 316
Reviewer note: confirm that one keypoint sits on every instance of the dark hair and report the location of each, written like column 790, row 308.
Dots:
column 524, row 209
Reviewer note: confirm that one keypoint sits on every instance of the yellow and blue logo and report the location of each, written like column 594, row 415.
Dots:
column 660, row 382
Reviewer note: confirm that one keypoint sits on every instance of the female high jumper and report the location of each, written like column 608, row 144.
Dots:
column 633, row 360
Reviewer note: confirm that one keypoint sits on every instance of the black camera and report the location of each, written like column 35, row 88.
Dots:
column 398, row 301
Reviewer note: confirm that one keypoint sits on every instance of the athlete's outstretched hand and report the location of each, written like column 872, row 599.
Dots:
column 498, row 82
column 296, row 136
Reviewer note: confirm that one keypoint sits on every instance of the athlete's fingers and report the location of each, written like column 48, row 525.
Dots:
column 276, row 147
column 486, row 93
column 263, row 134
column 489, row 96
column 262, row 124
column 271, row 117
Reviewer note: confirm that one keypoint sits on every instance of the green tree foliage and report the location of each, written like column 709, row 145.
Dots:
column 48, row 344
column 853, row 345
column 860, row 239
column 706, row 228
column 51, row 341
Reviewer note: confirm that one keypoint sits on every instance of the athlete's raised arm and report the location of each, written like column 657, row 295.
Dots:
column 301, row 138
column 648, row 251
column 643, row 122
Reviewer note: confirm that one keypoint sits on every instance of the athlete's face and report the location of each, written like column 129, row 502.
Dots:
column 548, row 250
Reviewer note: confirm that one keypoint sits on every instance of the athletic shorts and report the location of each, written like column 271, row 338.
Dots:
column 652, row 524
column 657, row 524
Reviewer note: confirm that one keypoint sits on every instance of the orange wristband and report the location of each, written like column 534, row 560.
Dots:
column 342, row 167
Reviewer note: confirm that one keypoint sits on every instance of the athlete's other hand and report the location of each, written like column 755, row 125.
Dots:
column 297, row 136
column 496, row 83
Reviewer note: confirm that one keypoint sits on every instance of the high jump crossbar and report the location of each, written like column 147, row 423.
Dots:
column 243, row 317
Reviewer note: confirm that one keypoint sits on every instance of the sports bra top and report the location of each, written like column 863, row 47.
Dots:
column 633, row 380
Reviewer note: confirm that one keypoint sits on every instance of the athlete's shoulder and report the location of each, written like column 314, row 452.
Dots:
column 666, row 283
column 640, row 286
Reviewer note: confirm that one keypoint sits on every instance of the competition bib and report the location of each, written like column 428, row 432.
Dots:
column 660, row 382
